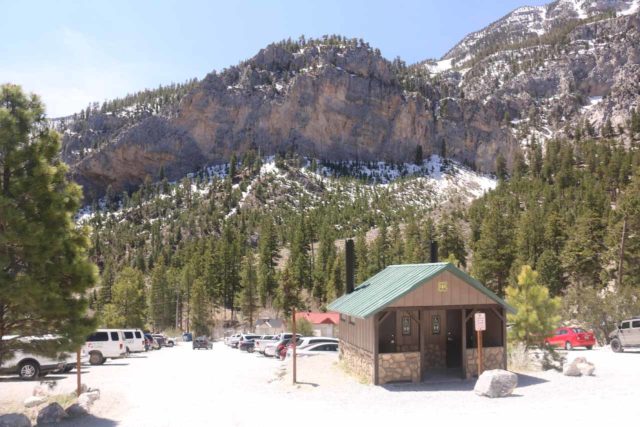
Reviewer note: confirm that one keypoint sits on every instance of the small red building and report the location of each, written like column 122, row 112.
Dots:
column 324, row 324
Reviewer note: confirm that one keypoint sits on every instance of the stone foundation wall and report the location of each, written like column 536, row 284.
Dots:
column 435, row 356
column 399, row 367
column 492, row 358
column 359, row 361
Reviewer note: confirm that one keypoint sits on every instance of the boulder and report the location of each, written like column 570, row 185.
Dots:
column 571, row 370
column 51, row 414
column 578, row 367
column 32, row 401
column 496, row 383
column 77, row 410
column 14, row 420
column 586, row 369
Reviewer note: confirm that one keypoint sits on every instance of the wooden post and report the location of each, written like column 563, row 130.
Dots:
column 464, row 344
column 479, row 353
column 376, row 349
column 78, row 373
column 422, row 331
column 293, row 340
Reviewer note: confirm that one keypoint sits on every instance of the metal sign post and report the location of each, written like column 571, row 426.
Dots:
column 78, row 373
column 480, row 322
column 294, row 339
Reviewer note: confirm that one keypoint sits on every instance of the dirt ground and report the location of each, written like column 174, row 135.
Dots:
column 225, row 387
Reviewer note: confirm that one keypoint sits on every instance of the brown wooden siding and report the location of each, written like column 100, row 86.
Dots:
column 458, row 293
column 359, row 334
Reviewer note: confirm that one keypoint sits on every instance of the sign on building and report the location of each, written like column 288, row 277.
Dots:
column 480, row 321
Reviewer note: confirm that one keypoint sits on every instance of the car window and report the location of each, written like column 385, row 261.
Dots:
column 99, row 336
column 579, row 330
column 624, row 325
column 128, row 335
column 635, row 324
column 115, row 336
column 138, row 335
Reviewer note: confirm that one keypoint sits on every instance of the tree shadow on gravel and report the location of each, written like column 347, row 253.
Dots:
column 87, row 421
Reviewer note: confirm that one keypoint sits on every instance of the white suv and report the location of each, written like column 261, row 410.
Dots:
column 104, row 344
column 31, row 366
column 134, row 340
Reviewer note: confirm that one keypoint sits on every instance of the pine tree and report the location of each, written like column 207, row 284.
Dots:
column 380, row 252
column 537, row 312
column 324, row 262
column 582, row 253
column 336, row 287
column 494, row 251
column 450, row 241
column 44, row 270
column 128, row 306
column 249, row 295
column 396, row 244
column 161, row 298
column 267, row 260
column 299, row 256
column 200, row 311
column 362, row 257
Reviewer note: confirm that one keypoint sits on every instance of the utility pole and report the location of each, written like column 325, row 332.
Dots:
column 624, row 232
column 78, row 373
column 294, row 339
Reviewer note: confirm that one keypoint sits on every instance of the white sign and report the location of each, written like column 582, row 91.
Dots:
column 480, row 321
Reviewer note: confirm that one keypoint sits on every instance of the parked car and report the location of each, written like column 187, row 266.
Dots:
column 104, row 344
column 133, row 340
column 261, row 343
column 151, row 342
column 232, row 341
column 187, row 337
column 202, row 342
column 315, row 349
column 247, row 341
column 570, row 337
column 30, row 366
column 160, row 339
column 303, row 342
column 626, row 335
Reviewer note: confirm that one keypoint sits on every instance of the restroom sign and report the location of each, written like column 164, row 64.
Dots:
column 443, row 287
column 480, row 321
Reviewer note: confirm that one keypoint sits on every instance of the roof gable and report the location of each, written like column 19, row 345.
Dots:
column 396, row 281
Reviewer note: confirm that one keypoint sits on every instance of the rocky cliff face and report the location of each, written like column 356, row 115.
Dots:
column 547, row 69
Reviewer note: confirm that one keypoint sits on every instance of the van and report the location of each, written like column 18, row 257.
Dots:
column 104, row 344
column 133, row 340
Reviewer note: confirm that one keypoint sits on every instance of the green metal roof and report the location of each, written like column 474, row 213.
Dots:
column 396, row 281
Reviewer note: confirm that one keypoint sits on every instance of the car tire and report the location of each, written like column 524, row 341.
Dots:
column 568, row 346
column 127, row 353
column 95, row 358
column 616, row 346
column 68, row 368
column 589, row 347
column 171, row 344
column 250, row 350
column 29, row 370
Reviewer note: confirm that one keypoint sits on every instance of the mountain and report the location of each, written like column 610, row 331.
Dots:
column 536, row 73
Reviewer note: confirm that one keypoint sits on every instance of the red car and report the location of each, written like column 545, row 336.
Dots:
column 570, row 337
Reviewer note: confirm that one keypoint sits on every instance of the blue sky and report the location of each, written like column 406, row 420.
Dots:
column 75, row 52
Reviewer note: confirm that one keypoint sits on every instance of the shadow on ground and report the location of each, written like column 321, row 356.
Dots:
column 454, row 384
column 88, row 421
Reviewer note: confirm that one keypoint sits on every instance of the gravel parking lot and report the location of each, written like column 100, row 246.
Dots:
column 184, row 387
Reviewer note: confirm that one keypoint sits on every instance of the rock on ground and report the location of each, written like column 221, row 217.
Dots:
column 77, row 410
column 51, row 414
column 496, row 383
column 32, row 401
column 578, row 366
column 14, row 420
